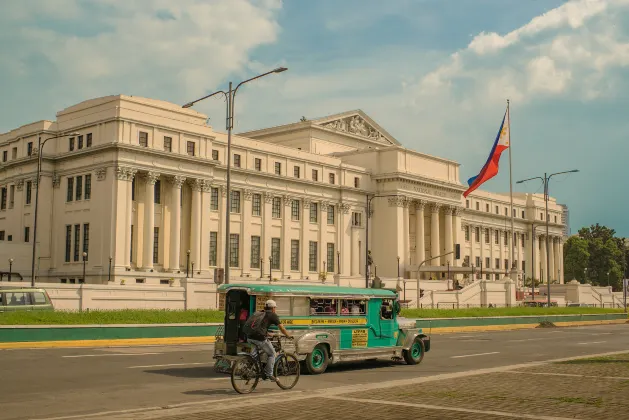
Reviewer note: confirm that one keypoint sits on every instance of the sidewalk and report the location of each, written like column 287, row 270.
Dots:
column 571, row 388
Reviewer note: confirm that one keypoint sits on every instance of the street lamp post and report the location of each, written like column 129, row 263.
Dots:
column 192, row 271
column 270, row 269
column 545, row 181
column 109, row 276
column 40, row 146
column 261, row 268
column 10, row 267
column 398, row 267
column 230, row 96
column 84, row 261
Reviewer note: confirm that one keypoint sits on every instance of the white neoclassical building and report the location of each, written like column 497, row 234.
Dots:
column 139, row 186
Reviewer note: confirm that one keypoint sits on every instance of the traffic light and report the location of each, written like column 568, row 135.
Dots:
column 457, row 252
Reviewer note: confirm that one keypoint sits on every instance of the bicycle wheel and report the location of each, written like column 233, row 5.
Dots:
column 245, row 375
column 286, row 370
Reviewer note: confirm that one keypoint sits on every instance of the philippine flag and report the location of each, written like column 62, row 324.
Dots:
column 491, row 166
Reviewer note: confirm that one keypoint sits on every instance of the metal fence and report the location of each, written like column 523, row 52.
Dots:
column 454, row 305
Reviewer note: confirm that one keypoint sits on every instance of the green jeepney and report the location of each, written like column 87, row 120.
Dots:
column 331, row 324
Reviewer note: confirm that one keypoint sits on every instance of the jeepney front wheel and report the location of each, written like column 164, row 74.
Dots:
column 415, row 354
column 317, row 361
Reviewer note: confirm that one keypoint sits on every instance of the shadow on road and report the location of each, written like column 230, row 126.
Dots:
column 191, row 372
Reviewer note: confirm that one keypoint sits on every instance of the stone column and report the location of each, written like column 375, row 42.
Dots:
column 245, row 218
column 434, row 234
column 492, row 254
column 557, row 259
column 543, row 258
column 323, row 212
column 305, row 221
column 345, row 229
column 405, row 258
column 420, row 233
column 285, row 240
column 220, row 243
column 175, row 222
column 561, row 267
column 195, row 225
column 528, row 256
column 448, row 233
column 457, row 233
column 551, row 250
column 355, row 252
column 125, row 212
column 149, row 218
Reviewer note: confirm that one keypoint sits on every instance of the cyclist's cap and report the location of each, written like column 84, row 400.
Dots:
column 270, row 304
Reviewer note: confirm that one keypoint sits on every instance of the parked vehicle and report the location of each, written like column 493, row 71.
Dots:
column 331, row 324
column 24, row 299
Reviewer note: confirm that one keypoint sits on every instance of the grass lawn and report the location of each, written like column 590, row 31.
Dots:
column 200, row 316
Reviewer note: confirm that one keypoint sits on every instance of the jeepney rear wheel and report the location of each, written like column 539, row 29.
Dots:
column 415, row 354
column 317, row 361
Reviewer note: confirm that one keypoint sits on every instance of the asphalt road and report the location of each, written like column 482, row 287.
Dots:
column 73, row 383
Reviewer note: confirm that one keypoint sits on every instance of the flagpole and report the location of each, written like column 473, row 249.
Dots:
column 511, row 191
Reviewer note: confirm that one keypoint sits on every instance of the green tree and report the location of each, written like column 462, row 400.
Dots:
column 575, row 256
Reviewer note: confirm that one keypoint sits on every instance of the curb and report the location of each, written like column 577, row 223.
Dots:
column 106, row 343
column 512, row 327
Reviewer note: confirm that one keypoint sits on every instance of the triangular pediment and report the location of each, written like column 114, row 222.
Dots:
column 356, row 123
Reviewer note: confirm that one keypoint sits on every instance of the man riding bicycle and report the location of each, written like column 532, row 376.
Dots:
column 257, row 327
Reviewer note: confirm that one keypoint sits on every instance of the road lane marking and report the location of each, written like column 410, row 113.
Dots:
column 530, row 339
column 166, row 365
column 474, row 355
column 594, row 342
column 443, row 408
column 112, row 354
column 520, row 372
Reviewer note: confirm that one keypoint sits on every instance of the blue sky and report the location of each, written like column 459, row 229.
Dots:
column 435, row 73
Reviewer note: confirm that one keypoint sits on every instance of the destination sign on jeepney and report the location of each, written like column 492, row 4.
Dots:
column 360, row 338
column 325, row 321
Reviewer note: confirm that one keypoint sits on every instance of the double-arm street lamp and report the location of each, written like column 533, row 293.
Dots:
column 230, row 95
column 545, row 180
column 40, row 147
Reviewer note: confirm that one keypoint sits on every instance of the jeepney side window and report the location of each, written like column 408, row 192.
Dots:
column 326, row 307
column 283, row 305
column 354, row 307
column 386, row 310
column 301, row 306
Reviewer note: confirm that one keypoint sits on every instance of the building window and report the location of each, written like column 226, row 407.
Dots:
column 1, row 235
column 214, row 199
column 71, row 144
column 467, row 233
column 294, row 210
column 478, row 262
column 213, row 248
column 133, row 189
column 256, row 205
column 70, row 189
column 214, row 154
column 498, row 263
column 477, row 234
column 276, row 208
column 257, row 164
column 27, row 234
column 467, row 204
column 466, row 261
column 29, row 148
column 514, row 214
column 515, row 239
column 14, row 153
column 506, row 238
column 278, row 168
column 143, row 138
column 234, row 250
column 330, row 215
column 80, row 142
column 487, row 262
column 190, row 148
column 157, row 189
column 236, row 160
column 523, row 214
column 88, row 186
column 235, row 202
column 131, row 245
column 296, row 171
column 68, row 242
column 86, row 238
column 315, row 175
column 356, row 219
column 314, row 212
column 77, row 241
column 313, row 256
column 506, row 264
column 331, row 178
column 330, row 266
column 255, row 252
column 555, row 219
column 29, row 188
column 541, row 216
column 477, row 205
column 356, row 182
column 79, row 188
column 11, row 196
column 275, row 253
column 88, row 140
column 155, row 244
column 3, row 199
column 486, row 236
column 294, row 254
column 168, row 144
column 5, row 156
column 487, row 208
column 523, row 265
column 497, row 211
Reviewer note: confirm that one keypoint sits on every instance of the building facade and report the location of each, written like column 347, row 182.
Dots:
column 137, row 188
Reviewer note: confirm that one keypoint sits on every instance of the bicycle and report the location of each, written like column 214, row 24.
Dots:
column 250, row 367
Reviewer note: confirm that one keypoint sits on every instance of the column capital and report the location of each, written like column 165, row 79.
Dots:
column 306, row 203
column 457, row 211
column 288, row 200
column 125, row 173
column 268, row 197
column 101, row 173
column 196, row 184
column 397, row 201
column 19, row 184
column 344, row 207
column 435, row 207
column 223, row 189
column 56, row 180
column 177, row 181
column 324, row 205
column 420, row 204
column 151, row 177
column 247, row 194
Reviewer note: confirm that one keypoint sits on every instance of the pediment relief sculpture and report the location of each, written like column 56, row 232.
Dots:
column 354, row 125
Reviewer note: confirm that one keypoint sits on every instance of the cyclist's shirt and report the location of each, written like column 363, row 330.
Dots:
column 270, row 318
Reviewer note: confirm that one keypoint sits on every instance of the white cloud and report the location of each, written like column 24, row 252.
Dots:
column 545, row 77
